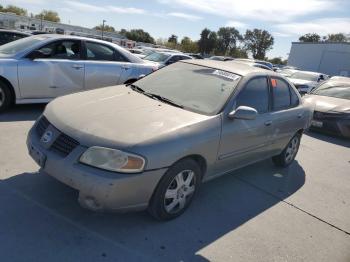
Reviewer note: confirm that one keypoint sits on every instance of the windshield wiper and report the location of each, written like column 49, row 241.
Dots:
column 164, row 99
column 137, row 88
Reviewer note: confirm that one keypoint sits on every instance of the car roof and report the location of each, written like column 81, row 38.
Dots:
column 309, row 72
column 229, row 66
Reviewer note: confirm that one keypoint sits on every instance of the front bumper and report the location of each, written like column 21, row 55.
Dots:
column 331, row 124
column 98, row 189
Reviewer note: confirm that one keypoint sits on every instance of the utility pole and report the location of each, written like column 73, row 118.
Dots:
column 41, row 22
column 103, row 27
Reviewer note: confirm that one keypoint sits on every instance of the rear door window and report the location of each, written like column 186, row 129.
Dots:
column 280, row 93
column 99, row 52
column 67, row 49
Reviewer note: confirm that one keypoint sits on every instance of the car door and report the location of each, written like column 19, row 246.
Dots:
column 59, row 71
column 288, row 115
column 246, row 141
column 104, row 65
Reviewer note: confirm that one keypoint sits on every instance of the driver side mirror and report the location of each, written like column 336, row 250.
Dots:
column 36, row 54
column 243, row 112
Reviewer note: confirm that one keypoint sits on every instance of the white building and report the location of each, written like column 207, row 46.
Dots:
column 326, row 57
column 24, row 23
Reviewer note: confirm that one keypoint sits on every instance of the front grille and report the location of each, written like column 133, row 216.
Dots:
column 64, row 145
column 41, row 126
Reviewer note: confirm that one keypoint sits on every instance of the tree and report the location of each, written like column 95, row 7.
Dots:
column 139, row 35
column 336, row 38
column 106, row 28
column 276, row 61
column 258, row 42
column 238, row 52
column 14, row 9
column 310, row 38
column 207, row 42
column 227, row 39
column 48, row 15
column 172, row 39
column 188, row 46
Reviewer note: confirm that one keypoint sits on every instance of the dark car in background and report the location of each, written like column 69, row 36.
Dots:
column 331, row 102
column 7, row 36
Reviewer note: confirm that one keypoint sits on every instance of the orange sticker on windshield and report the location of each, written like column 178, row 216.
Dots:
column 274, row 82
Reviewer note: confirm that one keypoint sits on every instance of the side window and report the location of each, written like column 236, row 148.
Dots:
column 280, row 93
column 17, row 36
column 173, row 59
column 255, row 94
column 184, row 58
column 69, row 49
column 294, row 99
column 99, row 52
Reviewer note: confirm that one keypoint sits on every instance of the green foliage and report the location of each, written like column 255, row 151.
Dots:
column 258, row 42
column 277, row 61
column 228, row 38
column 14, row 9
column 48, row 15
column 138, row 35
column 311, row 37
column 339, row 37
column 106, row 28
column 207, row 42
column 189, row 46
column 172, row 39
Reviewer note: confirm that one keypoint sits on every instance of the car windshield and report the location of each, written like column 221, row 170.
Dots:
column 305, row 76
column 20, row 45
column 196, row 88
column 333, row 90
column 157, row 57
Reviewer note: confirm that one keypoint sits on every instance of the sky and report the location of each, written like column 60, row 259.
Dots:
column 286, row 20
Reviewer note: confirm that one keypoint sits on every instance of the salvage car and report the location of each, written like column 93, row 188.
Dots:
column 38, row 68
column 331, row 101
column 150, row 145
column 305, row 81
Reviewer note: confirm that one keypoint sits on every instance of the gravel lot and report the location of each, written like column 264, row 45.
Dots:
column 259, row 213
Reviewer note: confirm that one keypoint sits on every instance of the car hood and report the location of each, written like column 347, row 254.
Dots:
column 116, row 117
column 326, row 103
column 296, row 81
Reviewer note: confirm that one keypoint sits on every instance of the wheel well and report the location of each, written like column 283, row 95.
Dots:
column 129, row 81
column 199, row 160
column 3, row 79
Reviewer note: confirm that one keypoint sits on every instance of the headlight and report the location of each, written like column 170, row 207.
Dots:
column 112, row 160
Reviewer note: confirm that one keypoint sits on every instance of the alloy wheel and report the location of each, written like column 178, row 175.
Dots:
column 292, row 149
column 179, row 191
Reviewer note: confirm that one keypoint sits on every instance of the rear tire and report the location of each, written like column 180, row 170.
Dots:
column 5, row 96
column 175, row 190
column 288, row 154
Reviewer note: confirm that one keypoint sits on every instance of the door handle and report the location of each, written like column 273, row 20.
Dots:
column 126, row 67
column 268, row 123
column 77, row 66
column 300, row 115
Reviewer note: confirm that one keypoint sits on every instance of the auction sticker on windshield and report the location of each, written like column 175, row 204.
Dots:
column 225, row 74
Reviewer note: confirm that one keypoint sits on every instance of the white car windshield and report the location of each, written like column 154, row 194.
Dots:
column 305, row 76
column 157, row 57
column 196, row 88
column 20, row 45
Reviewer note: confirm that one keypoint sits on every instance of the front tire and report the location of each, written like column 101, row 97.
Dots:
column 5, row 96
column 175, row 190
column 288, row 154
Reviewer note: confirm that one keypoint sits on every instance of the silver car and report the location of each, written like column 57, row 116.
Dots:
column 161, row 59
column 149, row 145
column 39, row 68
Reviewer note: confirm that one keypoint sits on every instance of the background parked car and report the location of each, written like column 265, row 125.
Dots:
column 221, row 58
column 331, row 101
column 195, row 56
column 247, row 60
column 161, row 59
column 39, row 68
column 305, row 81
column 7, row 36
